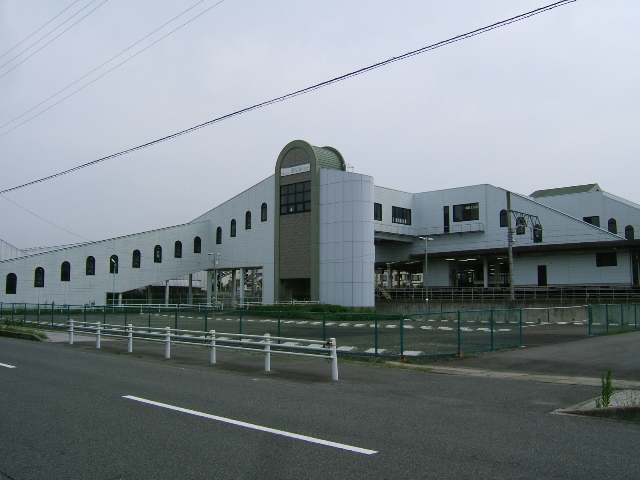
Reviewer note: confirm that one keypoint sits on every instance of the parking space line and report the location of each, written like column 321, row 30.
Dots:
column 6, row 366
column 238, row 423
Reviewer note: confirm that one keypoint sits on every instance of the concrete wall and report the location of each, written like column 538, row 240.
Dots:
column 346, row 239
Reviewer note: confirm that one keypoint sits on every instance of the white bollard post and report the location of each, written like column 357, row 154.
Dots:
column 70, row 332
column 267, row 352
column 97, row 334
column 212, row 334
column 130, row 338
column 334, row 359
column 167, row 342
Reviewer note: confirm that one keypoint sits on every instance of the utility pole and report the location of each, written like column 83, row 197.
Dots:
column 510, row 241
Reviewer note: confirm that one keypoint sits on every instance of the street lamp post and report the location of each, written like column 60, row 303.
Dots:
column 113, row 290
column 425, row 276
column 215, row 281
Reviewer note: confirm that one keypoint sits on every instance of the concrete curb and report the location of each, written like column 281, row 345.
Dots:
column 474, row 372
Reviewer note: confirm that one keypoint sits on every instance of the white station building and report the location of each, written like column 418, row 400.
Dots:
column 316, row 231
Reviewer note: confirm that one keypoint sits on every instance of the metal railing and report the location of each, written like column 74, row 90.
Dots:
column 265, row 344
column 482, row 294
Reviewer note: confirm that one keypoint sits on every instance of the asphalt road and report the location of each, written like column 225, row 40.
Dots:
column 63, row 414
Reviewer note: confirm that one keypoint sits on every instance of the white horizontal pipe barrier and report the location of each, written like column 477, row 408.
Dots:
column 234, row 341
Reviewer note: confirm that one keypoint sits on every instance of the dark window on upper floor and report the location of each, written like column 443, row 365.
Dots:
column 504, row 221
column 537, row 233
column 377, row 212
column 197, row 245
column 401, row 215
column 295, row 198
column 263, row 212
column 113, row 264
column 11, row 286
column 90, row 267
column 446, row 227
column 247, row 220
column 612, row 226
column 606, row 259
column 466, row 212
column 594, row 220
column 177, row 249
column 157, row 254
column 628, row 232
column 135, row 259
column 65, row 272
column 233, row 228
column 38, row 278
column 521, row 226
column 218, row 235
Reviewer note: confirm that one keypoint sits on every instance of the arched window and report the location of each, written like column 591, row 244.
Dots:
column 38, row 278
column 197, row 245
column 628, row 232
column 157, row 254
column 12, row 284
column 135, row 259
column 65, row 272
column 503, row 218
column 521, row 226
column 612, row 225
column 247, row 220
column 177, row 249
column 233, row 227
column 537, row 233
column 218, row 235
column 90, row 268
column 113, row 264
column 263, row 212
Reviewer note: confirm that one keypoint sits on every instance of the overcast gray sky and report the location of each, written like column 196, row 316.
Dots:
column 550, row 101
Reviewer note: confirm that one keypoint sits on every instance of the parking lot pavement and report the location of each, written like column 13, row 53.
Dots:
column 583, row 358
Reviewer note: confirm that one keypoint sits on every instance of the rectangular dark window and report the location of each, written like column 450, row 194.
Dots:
column 401, row 215
column 377, row 211
column 592, row 220
column 295, row 198
column 606, row 259
column 445, row 217
column 466, row 212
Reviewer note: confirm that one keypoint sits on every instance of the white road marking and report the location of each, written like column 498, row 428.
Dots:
column 6, row 366
column 252, row 426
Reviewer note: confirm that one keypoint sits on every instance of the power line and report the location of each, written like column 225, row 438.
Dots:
column 303, row 91
column 20, row 43
column 53, row 39
column 108, row 71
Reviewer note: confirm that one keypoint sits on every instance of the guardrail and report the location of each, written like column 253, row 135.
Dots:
column 265, row 344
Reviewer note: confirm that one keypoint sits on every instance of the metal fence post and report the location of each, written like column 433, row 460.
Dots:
column 520, row 327
column 24, row 313
column 491, row 323
column 401, row 336
column 589, row 318
column 324, row 326
column 459, row 336
column 70, row 323
column 267, row 352
column 606, row 310
column 97, row 334
column 52, row 314
column 212, row 334
column 279, row 333
column 129, row 338
column 167, row 342
column 68, row 313
column 206, row 318
column 621, row 316
column 375, row 333
column 104, row 314
column 334, row 358
column 240, row 324
column 176, row 319
column 37, row 314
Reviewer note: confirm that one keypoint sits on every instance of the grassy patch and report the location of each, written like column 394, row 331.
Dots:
column 11, row 327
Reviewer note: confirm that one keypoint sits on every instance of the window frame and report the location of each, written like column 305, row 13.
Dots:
column 157, row 254
column 197, row 244
column 401, row 215
column 65, row 271
column 11, row 280
column 247, row 220
column 90, row 266
column 177, row 249
column 38, row 280
column 466, row 212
